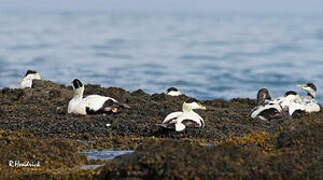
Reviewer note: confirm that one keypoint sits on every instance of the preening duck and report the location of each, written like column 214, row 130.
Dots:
column 266, row 110
column 188, row 118
column 92, row 104
column 309, row 102
column 173, row 92
column 27, row 80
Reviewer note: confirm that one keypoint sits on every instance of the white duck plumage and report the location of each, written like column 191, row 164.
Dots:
column 256, row 112
column 311, row 105
column 92, row 104
column 27, row 80
column 172, row 91
column 266, row 110
column 292, row 102
column 179, row 120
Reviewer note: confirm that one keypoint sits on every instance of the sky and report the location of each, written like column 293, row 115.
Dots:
column 235, row 6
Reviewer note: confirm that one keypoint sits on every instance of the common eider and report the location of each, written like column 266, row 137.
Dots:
column 27, row 80
column 292, row 102
column 188, row 118
column 266, row 110
column 92, row 104
column 309, row 102
column 172, row 91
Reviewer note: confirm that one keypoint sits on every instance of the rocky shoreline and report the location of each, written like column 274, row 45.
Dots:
column 35, row 126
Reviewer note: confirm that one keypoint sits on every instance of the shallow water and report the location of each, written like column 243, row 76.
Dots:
column 92, row 166
column 210, row 145
column 105, row 154
column 205, row 56
column 102, row 155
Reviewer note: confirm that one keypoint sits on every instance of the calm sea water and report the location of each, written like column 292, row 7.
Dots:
column 103, row 155
column 205, row 56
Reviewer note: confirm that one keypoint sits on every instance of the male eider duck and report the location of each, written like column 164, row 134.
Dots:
column 173, row 92
column 92, row 104
column 188, row 118
column 266, row 110
column 292, row 102
column 309, row 102
column 27, row 80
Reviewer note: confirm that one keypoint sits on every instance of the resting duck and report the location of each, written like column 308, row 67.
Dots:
column 266, row 110
column 27, row 80
column 292, row 102
column 188, row 118
column 308, row 101
column 173, row 92
column 92, row 104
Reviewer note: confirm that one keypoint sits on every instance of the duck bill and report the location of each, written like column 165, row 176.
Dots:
column 302, row 85
column 37, row 76
column 202, row 107
column 111, row 109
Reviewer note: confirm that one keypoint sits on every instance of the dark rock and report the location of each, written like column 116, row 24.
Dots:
column 246, row 148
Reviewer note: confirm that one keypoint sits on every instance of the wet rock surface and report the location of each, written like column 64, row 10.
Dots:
column 34, row 119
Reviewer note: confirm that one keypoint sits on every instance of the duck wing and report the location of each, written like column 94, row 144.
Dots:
column 191, row 118
column 312, row 106
column 172, row 116
column 268, row 111
column 197, row 116
column 293, row 106
column 96, row 104
column 190, row 123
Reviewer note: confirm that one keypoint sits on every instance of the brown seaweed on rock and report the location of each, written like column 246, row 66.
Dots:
column 299, row 155
column 42, row 109
column 246, row 148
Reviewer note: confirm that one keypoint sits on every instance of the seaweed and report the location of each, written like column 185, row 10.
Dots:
column 35, row 126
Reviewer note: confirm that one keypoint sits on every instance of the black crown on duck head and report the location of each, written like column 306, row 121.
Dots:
column 77, row 83
column 172, row 89
column 191, row 100
column 311, row 85
column 30, row 72
column 290, row 93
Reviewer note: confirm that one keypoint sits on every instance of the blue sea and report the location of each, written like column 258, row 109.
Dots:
column 206, row 56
